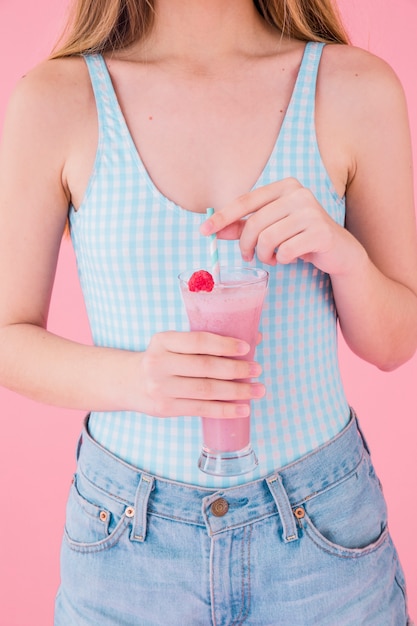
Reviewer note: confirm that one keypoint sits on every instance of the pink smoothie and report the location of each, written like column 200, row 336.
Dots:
column 233, row 310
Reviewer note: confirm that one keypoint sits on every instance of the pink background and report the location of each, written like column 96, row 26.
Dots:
column 38, row 442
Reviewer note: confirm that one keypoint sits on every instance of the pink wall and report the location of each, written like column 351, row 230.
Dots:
column 36, row 465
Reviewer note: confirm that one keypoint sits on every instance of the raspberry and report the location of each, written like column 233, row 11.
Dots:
column 201, row 281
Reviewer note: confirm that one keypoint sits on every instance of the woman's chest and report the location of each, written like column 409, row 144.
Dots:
column 205, row 142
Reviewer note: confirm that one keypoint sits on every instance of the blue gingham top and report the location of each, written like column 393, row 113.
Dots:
column 131, row 242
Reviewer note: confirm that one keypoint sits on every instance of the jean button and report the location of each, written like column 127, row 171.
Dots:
column 220, row 507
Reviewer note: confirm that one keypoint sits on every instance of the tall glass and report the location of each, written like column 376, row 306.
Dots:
column 232, row 309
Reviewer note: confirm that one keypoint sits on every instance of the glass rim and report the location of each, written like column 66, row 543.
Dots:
column 249, row 275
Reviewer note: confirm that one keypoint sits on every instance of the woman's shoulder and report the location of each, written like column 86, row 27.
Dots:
column 60, row 68
column 52, row 91
column 52, row 110
column 353, row 71
column 358, row 90
column 359, row 99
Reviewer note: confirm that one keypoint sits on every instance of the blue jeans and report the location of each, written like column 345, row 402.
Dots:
column 307, row 545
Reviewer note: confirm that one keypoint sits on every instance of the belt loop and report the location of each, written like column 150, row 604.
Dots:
column 279, row 494
column 141, row 508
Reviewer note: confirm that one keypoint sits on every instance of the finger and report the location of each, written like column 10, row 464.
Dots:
column 247, row 204
column 199, row 342
column 260, row 223
column 210, row 389
column 273, row 237
column 297, row 247
column 210, row 367
column 202, row 408
column 232, row 231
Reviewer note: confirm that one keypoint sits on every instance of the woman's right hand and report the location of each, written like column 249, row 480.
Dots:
column 197, row 373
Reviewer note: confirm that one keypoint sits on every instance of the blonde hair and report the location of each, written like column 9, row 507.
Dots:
column 105, row 25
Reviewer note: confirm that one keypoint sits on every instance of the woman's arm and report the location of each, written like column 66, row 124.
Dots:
column 179, row 373
column 364, row 138
column 377, row 298
column 33, row 211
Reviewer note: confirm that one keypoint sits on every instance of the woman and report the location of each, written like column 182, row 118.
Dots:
column 149, row 113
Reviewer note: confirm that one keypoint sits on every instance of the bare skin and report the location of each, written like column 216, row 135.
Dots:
column 204, row 114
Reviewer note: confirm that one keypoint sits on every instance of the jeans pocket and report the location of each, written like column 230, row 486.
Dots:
column 349, row 518
column 90, row 525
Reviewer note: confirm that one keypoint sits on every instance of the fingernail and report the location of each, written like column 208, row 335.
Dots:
column 255, row 369
column 242, row 410
column 207, row 228
column 242, row 347
column 258, row 391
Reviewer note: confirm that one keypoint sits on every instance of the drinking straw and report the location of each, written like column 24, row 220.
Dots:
column 214, row 253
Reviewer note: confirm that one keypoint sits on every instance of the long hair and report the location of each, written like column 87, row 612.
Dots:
column 98, row 26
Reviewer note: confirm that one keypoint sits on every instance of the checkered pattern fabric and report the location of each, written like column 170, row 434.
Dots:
column 131, row 242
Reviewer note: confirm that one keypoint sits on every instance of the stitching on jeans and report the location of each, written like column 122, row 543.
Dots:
column 250, row 530
column 101, row 490
column 104, row 544
column 242, row 584
column 338, row 550
column 333, row 485
column 175, row 518
column 249, row 522
column 244, row 612
column 212, row 592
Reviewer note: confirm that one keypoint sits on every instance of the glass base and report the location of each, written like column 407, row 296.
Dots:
column 232, row 463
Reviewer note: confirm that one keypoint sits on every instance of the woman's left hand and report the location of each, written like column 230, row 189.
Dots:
column 284, row 222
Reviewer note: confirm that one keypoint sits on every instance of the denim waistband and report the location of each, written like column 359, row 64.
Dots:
column 282, row 491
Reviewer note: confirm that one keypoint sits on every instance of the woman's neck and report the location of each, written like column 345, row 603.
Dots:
column 199, row 34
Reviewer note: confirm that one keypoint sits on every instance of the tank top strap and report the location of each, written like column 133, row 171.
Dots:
column 110, row 117
column 300, row 116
